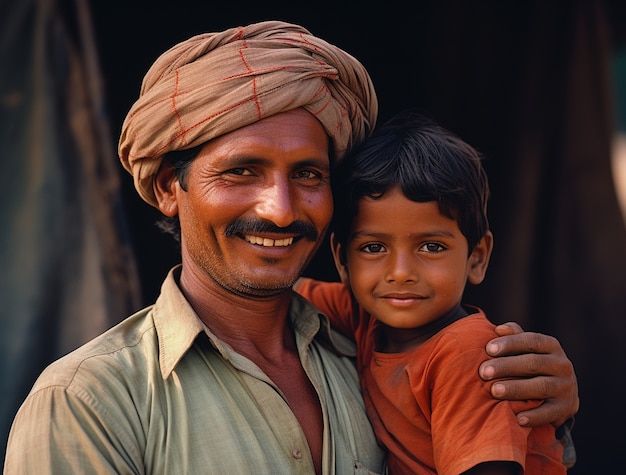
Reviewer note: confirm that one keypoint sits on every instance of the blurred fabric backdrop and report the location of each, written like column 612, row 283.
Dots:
column 538, row 86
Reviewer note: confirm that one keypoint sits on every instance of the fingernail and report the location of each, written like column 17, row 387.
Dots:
column 488, row 372
column 492, row 348
column 523, row 420
column 497, row 389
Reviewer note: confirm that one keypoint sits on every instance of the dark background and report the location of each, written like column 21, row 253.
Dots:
column 530, row 84
column 515, row 79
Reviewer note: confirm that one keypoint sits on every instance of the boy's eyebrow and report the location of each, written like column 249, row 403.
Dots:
column 420, row 235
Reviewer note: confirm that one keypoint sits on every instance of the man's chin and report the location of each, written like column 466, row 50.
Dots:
column 263, row 292
column 266, row 287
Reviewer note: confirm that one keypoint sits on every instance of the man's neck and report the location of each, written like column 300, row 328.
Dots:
column 258, row 328
column 251, row 325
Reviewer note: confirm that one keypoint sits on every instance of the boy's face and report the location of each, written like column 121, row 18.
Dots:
column 407, row 264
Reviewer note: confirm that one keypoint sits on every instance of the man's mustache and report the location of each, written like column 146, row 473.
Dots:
column 252, row 226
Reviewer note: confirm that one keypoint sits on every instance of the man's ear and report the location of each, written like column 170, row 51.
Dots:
column 479, row 259
column 340, row 264
column 166, row 187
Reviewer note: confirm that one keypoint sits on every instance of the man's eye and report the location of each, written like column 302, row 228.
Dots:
column 239, row 171
column 308, row 175
column 372, row 248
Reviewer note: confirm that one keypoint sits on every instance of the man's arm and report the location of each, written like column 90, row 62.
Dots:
column 540, row 369
column 61, row 431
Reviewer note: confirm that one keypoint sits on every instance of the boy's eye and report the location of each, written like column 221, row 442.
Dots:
column 372, row 248
column 432, row 247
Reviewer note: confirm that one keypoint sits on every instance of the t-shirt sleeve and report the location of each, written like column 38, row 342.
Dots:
column 334, row 300
column 468, row 425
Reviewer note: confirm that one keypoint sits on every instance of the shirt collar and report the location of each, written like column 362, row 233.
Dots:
column 177, row 326
column 309, row 322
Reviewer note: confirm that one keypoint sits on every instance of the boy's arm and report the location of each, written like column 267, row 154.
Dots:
column 333, row 299
column 468, row 426
column 538, row 369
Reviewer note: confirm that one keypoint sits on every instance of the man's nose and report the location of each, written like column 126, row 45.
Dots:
column 277, row 203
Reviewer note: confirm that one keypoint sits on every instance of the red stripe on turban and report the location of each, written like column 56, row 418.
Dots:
column 215, row 83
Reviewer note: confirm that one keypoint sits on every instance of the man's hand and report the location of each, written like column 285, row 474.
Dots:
column 540, row 370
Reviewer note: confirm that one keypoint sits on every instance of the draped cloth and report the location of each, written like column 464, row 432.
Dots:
column 214, row 83
column 68, row 270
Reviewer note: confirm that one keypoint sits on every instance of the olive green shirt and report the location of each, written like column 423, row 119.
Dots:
column 160, row 394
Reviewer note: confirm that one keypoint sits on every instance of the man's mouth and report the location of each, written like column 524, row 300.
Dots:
column 266, row 242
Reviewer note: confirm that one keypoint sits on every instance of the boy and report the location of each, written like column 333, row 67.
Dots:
column 410, row 230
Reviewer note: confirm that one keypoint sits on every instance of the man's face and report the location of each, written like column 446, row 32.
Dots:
column 257, row 205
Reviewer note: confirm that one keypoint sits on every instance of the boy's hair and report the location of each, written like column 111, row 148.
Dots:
column 427, row 162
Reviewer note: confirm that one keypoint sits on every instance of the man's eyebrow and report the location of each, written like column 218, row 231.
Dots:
column 240, row 161
column 244, row 160
column 322, row 163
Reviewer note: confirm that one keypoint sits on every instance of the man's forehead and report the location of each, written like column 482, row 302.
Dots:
column 288, row 135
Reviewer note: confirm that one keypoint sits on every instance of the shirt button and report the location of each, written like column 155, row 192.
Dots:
column 296, row 454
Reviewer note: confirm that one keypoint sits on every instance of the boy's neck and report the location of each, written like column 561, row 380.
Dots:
column 399, row 340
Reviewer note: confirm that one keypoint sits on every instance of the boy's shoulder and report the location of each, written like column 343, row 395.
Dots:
column 472, row 331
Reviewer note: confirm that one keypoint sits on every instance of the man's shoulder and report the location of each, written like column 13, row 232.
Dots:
column 127, row 346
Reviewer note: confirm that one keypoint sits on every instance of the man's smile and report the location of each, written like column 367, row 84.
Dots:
column 267, row 242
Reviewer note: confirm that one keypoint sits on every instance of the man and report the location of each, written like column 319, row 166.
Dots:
column 230, row 371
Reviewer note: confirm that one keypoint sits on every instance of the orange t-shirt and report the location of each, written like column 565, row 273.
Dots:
column 428, row 406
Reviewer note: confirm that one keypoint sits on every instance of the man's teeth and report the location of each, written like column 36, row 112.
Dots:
column 269, row 242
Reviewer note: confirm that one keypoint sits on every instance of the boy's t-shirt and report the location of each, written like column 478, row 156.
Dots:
column 428, row 406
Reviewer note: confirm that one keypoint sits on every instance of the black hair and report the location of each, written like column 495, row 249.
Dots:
column 426, row 161
column 180, row 160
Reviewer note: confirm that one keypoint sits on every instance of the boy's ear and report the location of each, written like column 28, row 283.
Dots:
column 342, row 269
column 479, row 259
column 165, row 189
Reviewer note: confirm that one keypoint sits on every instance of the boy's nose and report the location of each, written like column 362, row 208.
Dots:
column 401, row 269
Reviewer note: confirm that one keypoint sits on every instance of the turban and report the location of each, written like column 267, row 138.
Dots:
column 214, row 83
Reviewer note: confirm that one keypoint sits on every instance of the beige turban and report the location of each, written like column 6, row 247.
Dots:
column 215, row 83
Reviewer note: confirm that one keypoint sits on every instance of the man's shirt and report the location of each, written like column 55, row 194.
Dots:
column 159, row 393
